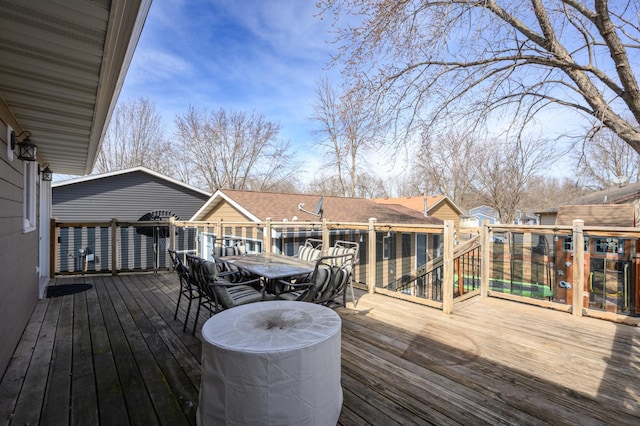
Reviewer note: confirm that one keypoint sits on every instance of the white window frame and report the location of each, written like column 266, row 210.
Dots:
column 29, row 217
column 386, row 247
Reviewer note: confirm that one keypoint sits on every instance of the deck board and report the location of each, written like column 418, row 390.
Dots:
column 114, row 355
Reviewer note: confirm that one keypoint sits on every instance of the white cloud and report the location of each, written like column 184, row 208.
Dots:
column 155, row 66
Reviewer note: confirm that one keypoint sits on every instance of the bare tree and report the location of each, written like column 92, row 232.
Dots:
column 505, row 169
column 506, row 60
column 448, row 164
column 348, row 127
column 135, row 137
column 233, row 150
column 606, row 161
column 366, row 186
column 546, row 192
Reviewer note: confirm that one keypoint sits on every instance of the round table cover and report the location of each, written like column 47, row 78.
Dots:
column 271, row 363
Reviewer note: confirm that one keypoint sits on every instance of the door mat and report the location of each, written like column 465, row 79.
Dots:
column 65, row 289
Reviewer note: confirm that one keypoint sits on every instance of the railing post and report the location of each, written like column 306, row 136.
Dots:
column 266, row 238
column 53, row 247
column 578, row 267
column 220, row 232
column 447, row 267
column 485, row 261
column 371, row 256
column 326, row 243
column 114, row 246
column 172, row 233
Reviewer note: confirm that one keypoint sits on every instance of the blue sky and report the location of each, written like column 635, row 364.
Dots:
column 248, row 55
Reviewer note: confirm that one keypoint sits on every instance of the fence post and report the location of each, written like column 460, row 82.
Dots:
column 485, row 261
column 578, row 267
column 266, row 238
column 447, row 267
column 172, row 233
column 326, row 237
column 371, row 256
column 220, row 232
column 114, row 246
column 53, row 247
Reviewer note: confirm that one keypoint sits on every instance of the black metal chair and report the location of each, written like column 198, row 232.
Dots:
column 330, row 278
column 216, row 293
column 186, row 286
column 342, row 247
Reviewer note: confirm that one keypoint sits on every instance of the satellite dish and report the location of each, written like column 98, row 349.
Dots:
column 318, row 212
column 620, row 180
column 319, row 206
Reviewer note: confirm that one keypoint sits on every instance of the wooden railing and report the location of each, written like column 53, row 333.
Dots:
column 524, row 264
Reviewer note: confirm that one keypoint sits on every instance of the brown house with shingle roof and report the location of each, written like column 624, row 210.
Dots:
column 617, row 195
column 438, row 206
column 397, row 253
column 234, row 206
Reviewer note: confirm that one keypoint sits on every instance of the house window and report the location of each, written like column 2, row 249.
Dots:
column 609, row 245
column 386, row 246
column 29, row 196
column 567, row 244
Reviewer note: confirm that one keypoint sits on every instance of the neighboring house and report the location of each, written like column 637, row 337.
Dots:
column 62, row 69
column 611, row 267
column 617, row 195
column 525, row 218
column 478, row 215
column 399, row 253
column 438, row 206
column 126, row 195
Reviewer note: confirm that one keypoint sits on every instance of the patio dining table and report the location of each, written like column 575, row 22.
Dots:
column 271, row 266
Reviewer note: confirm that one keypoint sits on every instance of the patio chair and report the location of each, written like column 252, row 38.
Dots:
column 187, row 286
column 232, row 273
column 342, row 247
column 219, row 293
column 310, row 251
column 329, row 279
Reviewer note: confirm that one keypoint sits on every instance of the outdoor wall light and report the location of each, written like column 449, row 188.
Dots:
column 47, row 174
column 26, row 149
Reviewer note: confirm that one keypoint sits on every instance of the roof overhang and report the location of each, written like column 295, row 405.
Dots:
column 220, row 197
column 124, row 172
column 63, row 65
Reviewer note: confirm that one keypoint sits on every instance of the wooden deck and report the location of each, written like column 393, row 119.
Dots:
column 114, row 355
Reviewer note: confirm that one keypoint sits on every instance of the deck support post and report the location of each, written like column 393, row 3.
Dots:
column 267, row 238
column 114, row 246
column 485, row 259
column 326, row 237
column 447, row 267
column 578, row 270
column 53, row 247
column 172, row 234
column 371, row 256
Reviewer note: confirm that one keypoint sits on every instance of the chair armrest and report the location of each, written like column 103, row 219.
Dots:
column 224, row 283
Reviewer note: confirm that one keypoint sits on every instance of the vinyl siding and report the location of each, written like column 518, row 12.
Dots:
column 226, row 212
column 19, row 255
column 125, row 197
column 446, row 212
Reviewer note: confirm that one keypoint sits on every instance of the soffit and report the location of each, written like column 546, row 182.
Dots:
column 63, row 63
